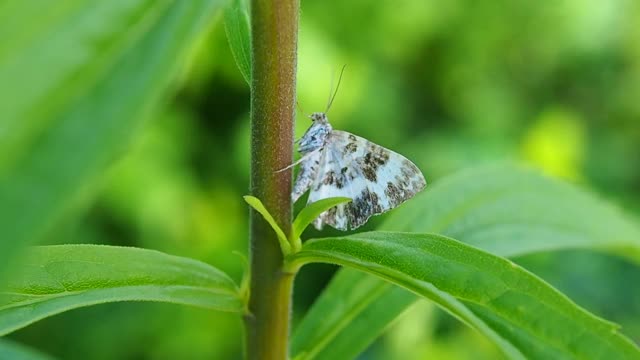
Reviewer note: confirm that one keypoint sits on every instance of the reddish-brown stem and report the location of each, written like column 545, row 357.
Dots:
column 274, row 31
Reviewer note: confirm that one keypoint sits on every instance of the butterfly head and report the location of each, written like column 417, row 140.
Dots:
column 319, row 118
column 316, row 136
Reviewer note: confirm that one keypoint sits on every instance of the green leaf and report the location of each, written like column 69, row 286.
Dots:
column 238, row 29
column 311, row 212
column 54, row 279
column 512, row 211
column 15, row 351
column 68, row 47
column 459, row 206
column 363, row 302
column 525, row 316
column 76, row 85
column 257, row 205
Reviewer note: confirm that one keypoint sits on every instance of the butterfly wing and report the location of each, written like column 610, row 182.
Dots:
column 307, row 174
column 376, row 178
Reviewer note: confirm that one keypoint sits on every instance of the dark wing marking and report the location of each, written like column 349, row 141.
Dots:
column 376, row 178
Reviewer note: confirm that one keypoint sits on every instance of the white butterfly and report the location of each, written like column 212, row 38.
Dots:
column 337, row 163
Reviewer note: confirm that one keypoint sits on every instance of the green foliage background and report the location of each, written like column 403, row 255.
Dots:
column 448, row 84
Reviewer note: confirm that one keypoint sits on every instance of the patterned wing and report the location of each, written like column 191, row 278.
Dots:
column 307, row 174
column 376, row 178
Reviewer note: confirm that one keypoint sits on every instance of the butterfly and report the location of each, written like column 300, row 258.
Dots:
column 337, row 163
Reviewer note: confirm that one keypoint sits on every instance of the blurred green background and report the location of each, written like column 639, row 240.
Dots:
column 554, row 84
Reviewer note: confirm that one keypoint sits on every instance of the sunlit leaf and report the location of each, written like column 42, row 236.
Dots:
column 509, row 198
column 311, row 212
column 54, row 279
column 525, row 316
column 512, row 211
column 237, row 27
column 75, row 88
column 258, row 206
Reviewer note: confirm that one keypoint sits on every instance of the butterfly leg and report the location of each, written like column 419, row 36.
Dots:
column 302, row 159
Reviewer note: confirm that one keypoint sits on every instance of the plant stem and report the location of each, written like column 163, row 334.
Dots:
column 274, row 32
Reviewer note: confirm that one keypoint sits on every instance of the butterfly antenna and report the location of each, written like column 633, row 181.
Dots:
column 299, row 107
column 333, row 75
column 301, row 111
column 331, row 98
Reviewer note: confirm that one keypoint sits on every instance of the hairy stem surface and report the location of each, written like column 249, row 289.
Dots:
column 274, row 31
